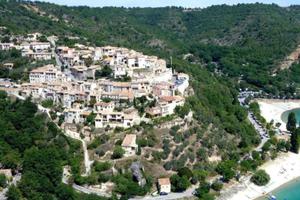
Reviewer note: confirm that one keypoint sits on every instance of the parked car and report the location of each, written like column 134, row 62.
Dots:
column 163, row 194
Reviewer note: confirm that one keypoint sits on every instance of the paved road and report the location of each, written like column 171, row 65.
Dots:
column 57, row 59
column 87, row 161
column 90, row 191
column 188, row 193
column 259, row 129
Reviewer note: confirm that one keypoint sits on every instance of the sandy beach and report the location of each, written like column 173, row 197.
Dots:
column 283, row 169
column 272, row 109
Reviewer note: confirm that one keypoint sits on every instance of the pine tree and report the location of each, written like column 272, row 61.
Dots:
column 291, row 123
column 295, row 140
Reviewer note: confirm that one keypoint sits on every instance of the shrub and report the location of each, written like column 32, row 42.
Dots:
column 102, row 166
column 118, row 152
column 184, row 171
column 203, row 190
column 168, row 165
column 179, row 184
column 217, row 186
column 100, row 152
column 48, row 103
column 103, row 178
column 225, row 169
column 260, row 178
column 3, row 181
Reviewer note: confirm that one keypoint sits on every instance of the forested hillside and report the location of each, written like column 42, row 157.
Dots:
column 244, row 41
column 32, row 145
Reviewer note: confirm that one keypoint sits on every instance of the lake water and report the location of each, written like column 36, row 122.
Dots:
column 284, row 116
column 289, row 191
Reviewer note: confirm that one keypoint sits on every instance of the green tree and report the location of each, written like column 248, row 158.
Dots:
column 65, row 192
column 179, row 184
column 202, row 192
column 291, row 123
column 182, row 111
column 93, row 102
column 48, row 103
column 207, row 196
column 267, row 146
column 217, row 186
column 226, row 170
column 295, row 140
column 184, row 171
column 126, row 186
column 91, row 118
column 260, row 178
column 3, row 181
column 118, row 152
column 106, row 71
column 88, row 61
column 102, row 166
column 13, row 193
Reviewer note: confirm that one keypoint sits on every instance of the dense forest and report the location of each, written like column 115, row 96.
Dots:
column 34, row 146
column 223, row 48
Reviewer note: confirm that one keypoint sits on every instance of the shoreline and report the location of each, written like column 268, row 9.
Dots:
column 280, row 187
column 272, row 109
column 284, row 169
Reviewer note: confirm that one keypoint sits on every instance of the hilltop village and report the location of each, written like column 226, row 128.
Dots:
column 148, row 103
column 91, row 91
column 121, row 87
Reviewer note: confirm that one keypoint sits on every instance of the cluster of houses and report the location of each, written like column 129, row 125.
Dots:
column 75, row 86
column 108, row 98
column 30, row 46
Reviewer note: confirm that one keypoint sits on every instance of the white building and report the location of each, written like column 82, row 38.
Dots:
column 169, row 103
column 6, row 46
column 81, row 72
column 72, row 115
column 37, row 55
column 112, row 119
column 76, row 115
column 163, row 89
column 24, row 46
column 181, row 82
column 164, row 185
column 166, row 106
column 129, row 145
column 33, row 36
column 104, row 106
column 98, row 54
column 40, row 46
column 119, row 71
column 9, row 66
column 47, row 73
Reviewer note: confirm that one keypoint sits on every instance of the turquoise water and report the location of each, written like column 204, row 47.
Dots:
column 289, row 191
column 284, row 116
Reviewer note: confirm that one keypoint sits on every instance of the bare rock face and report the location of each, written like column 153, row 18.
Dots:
column 137, row 170
column 288, row 61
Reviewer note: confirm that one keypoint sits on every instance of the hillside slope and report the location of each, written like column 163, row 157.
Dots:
column 248, row 40
column 228, row 47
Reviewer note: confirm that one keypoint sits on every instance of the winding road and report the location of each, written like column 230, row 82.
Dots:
column 259, row 129
column 87, row 161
